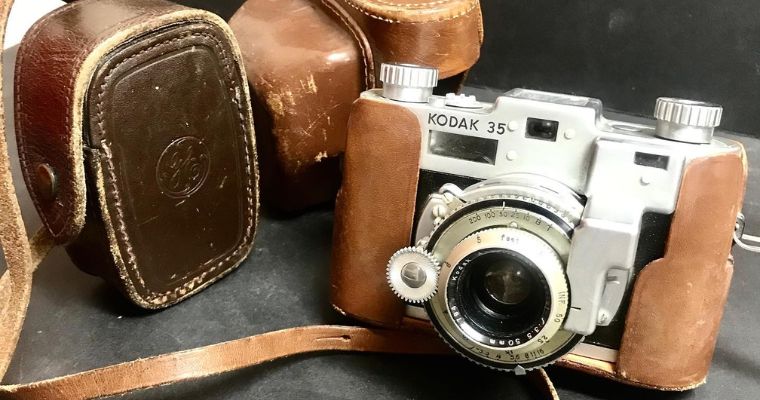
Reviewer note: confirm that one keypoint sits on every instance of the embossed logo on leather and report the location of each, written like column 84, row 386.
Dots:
column 183, row 167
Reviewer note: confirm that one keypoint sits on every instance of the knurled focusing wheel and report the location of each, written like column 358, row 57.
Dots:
column 413, row 274
column 686, row 121
column 408, row 82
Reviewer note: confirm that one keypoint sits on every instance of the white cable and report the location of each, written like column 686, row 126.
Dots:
column 755, row 239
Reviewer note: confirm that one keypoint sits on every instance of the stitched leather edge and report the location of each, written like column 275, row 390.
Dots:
column 76, row 87
column 194, row 283
column 361, row 41
column 78, row 217
column 414, row 14
column 423, row 4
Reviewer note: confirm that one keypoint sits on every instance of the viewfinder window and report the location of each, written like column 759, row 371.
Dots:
column 542, row 129
column 468, row 148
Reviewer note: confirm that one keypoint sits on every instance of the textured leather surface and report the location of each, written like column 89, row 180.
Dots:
column 171, row 166
column 181, row 171
column 676, row 304
column 49, row 97
column 20, row 256
column 673, row 320
column 374, row 209
column 218, row 358
column 413, row 11
column 307, row 60
column 446, row 34
column 16, row 281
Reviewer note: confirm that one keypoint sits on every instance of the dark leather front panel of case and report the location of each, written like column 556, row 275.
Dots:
column 168, row 129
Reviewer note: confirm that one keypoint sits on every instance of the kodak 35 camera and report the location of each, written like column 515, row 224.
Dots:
column 528, row 227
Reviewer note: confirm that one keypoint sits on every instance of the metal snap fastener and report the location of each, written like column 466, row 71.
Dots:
column 47, row 181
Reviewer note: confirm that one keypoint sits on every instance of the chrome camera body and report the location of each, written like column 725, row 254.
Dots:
column 535, row 213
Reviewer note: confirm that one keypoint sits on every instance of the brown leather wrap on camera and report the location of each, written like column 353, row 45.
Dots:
column 375, row 209
column 308, row 60
column 137, row 115
column 677, row 301
column 673, row 320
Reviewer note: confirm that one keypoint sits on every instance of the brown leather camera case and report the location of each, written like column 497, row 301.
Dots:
column 136, row 142
column 677, row 301
column 308, row 60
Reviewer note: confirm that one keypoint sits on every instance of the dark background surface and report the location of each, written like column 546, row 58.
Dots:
column 626, row 53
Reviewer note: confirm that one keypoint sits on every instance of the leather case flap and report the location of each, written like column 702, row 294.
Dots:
column 446, row 34
column 57, row 59
column 145, row 125
column 307, row 61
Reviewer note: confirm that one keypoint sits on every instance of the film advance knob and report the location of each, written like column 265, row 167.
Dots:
column 413, row 274
column 686, row 121
column 407, row 82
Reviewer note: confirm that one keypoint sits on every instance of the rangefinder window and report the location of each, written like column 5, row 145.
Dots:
column 541, row 129
column 651, row 160
column 469, row 148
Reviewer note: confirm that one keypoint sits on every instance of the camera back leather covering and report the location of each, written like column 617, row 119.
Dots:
column 136, row 142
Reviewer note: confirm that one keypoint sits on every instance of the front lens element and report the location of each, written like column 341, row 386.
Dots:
column 507, row 281
column 503, row 292
column 501, row 295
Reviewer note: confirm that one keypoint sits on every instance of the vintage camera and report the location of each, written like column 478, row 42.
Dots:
column 534, row 216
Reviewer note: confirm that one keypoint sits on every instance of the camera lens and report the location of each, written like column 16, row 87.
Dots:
column 502, row 291
column 502, row 294
column 507, row 282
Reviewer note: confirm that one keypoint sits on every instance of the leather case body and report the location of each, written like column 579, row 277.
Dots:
column 136, row 142
column 676, row 302
column 308, row 60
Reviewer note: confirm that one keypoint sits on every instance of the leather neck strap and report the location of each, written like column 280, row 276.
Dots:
column 23, row 255
column 224, row 357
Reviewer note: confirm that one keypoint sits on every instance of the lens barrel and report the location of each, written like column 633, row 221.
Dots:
column 501, row 295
